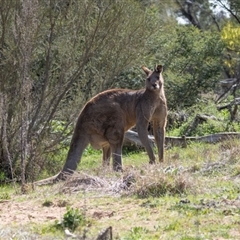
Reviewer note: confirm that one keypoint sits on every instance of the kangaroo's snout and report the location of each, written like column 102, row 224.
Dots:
column 155, row 86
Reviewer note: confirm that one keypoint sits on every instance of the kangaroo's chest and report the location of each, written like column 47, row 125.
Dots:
column 157, row 107
column 159, row 112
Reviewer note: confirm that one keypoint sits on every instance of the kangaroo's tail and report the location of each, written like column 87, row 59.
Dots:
column 61, row 176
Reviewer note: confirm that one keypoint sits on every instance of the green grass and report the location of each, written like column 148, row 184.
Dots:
column 194, row 194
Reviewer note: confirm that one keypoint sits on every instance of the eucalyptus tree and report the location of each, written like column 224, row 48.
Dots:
column 232, row 7
column 202, row 14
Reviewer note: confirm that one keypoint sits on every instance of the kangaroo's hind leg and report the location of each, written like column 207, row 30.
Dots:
column 117, row 156
column 106, row 155
column 115, row 136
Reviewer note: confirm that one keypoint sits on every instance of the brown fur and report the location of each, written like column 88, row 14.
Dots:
column 107, row 116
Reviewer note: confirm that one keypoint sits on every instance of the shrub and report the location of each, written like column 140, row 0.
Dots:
column 72, row 219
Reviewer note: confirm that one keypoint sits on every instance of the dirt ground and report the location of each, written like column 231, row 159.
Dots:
column 28, row 212
column 33, row 211
column 19, row 217
column 48, row 204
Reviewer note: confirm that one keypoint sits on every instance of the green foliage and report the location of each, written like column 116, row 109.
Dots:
column 231, row 37
column 91, row 151
column 48, row 230
column 191, row 238
column 2, row 176
column 131, row 77
column 47, row 203
column 4, row 196
column 57, row 127
column 135, row 233
column 6, row 191
column 72, row 219
column 234, row 9
column 174, row 226
column 219, row 123
column 190, row 209
column 193, row 65
column 192, row 59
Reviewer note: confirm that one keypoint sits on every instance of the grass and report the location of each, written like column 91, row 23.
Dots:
column 194, row 194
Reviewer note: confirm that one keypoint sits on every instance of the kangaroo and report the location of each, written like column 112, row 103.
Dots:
column 107, row 116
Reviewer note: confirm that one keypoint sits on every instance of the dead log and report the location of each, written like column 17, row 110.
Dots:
column 131, row 137
column 236, row 101
column 212, row 138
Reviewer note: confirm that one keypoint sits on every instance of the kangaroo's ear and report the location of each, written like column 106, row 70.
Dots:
column 146, row 70
column 159, row 68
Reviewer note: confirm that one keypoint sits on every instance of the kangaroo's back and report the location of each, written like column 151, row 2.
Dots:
column 117, row 104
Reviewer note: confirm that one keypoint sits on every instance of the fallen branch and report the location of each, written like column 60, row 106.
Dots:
column 212, row 138
column 236, row 101
column 132, row 137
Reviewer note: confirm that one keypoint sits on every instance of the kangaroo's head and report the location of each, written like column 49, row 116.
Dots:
column 154, row 80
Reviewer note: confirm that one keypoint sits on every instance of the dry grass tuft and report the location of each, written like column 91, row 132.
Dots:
column 159, row 182
column 151, row 181
column 81, row 181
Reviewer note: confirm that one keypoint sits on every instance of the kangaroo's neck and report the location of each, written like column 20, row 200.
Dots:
column 149, row 93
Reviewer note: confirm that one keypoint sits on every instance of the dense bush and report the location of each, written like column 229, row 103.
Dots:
column 55, row 55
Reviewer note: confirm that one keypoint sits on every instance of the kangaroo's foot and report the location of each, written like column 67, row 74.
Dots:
column 152, row 162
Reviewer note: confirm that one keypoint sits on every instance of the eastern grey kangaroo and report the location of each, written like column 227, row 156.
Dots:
column 107, row 116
